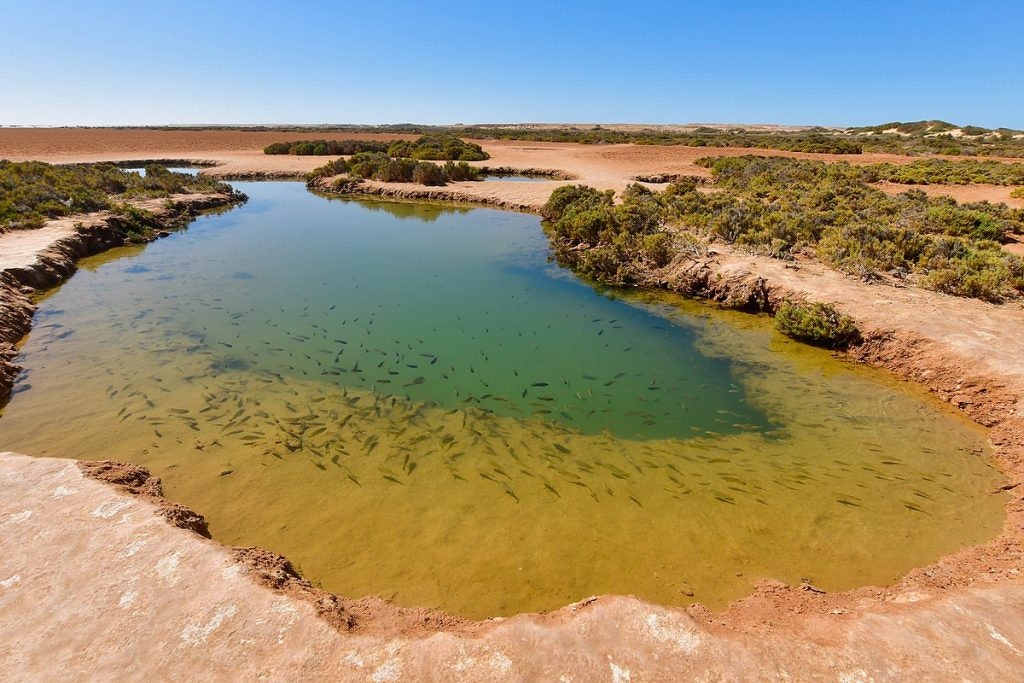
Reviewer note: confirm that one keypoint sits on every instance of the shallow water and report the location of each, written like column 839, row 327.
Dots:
column 141, row 170
column 412, row 401
column 518, row 178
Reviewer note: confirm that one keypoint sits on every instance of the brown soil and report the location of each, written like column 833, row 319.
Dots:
column 238, row 154
column 137, row 481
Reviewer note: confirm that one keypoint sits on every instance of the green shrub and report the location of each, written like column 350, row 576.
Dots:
column 380, row 166
column 816, row 323
column 438, row 147
column 577, row 196
column 325, row 147
column 975, row 130
column 426, row 173
column 458, row 171
column 978, row 269
column 31, row 191
column 657, row 247
column 931, row 171
column 137, row 224
column 781, row 207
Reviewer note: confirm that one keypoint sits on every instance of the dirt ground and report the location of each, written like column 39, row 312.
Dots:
column 173, row 603
column 239, row 154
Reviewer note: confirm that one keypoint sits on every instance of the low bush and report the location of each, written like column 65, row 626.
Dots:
column 137, row 224
column 325, row 147
column 380, row 166
column 458, row 171
column 438, row 147
column 816, row 323
column 931, row 171
column 785, row 207
column 31, row 191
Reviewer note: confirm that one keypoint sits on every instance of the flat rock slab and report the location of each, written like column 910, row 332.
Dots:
column 94, row 585
column 21, row 248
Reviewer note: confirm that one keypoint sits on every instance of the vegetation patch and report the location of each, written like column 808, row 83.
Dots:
column 379, row 166
column 816, row 323
column 442, row 146
column 661, row 178
column 914, row 138
column 438, row 147
column 785, row 207
column 32, row 192
column 612, row 243
column 325, row 147
column 942, row 171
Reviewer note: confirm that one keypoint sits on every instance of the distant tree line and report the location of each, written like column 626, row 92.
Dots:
column 959, row 172
column 916, row 138
column 323, row 148
column 433, row 146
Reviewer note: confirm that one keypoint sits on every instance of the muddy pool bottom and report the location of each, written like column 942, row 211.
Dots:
column 413, row 402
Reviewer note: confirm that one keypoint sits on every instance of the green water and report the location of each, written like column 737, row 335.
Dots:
column 412, row 401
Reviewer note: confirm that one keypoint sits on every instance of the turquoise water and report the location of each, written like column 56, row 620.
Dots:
column 414, row 401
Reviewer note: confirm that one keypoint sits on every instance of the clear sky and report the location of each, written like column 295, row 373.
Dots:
column 94, row 62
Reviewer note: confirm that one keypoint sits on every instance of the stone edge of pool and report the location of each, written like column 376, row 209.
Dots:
column 986, row 397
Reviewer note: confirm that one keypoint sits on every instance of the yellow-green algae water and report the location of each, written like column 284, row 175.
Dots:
column 413, row 402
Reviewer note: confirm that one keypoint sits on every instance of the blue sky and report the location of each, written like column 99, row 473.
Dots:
column 89, row 62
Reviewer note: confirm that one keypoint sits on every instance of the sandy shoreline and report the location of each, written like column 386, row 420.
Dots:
column 943, row 342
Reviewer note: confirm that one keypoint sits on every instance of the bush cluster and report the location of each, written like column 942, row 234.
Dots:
column 816, row 323
column 325, row 147
column 780, row 207
column 610, row 242
column 438, row 147
column 31, row 191
column 442, row 146
column 379, row 166
column 930, row 171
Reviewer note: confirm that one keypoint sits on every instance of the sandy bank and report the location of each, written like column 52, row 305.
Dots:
column 176, row 606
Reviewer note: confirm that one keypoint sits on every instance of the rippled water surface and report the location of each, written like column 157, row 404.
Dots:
column 411, row 401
